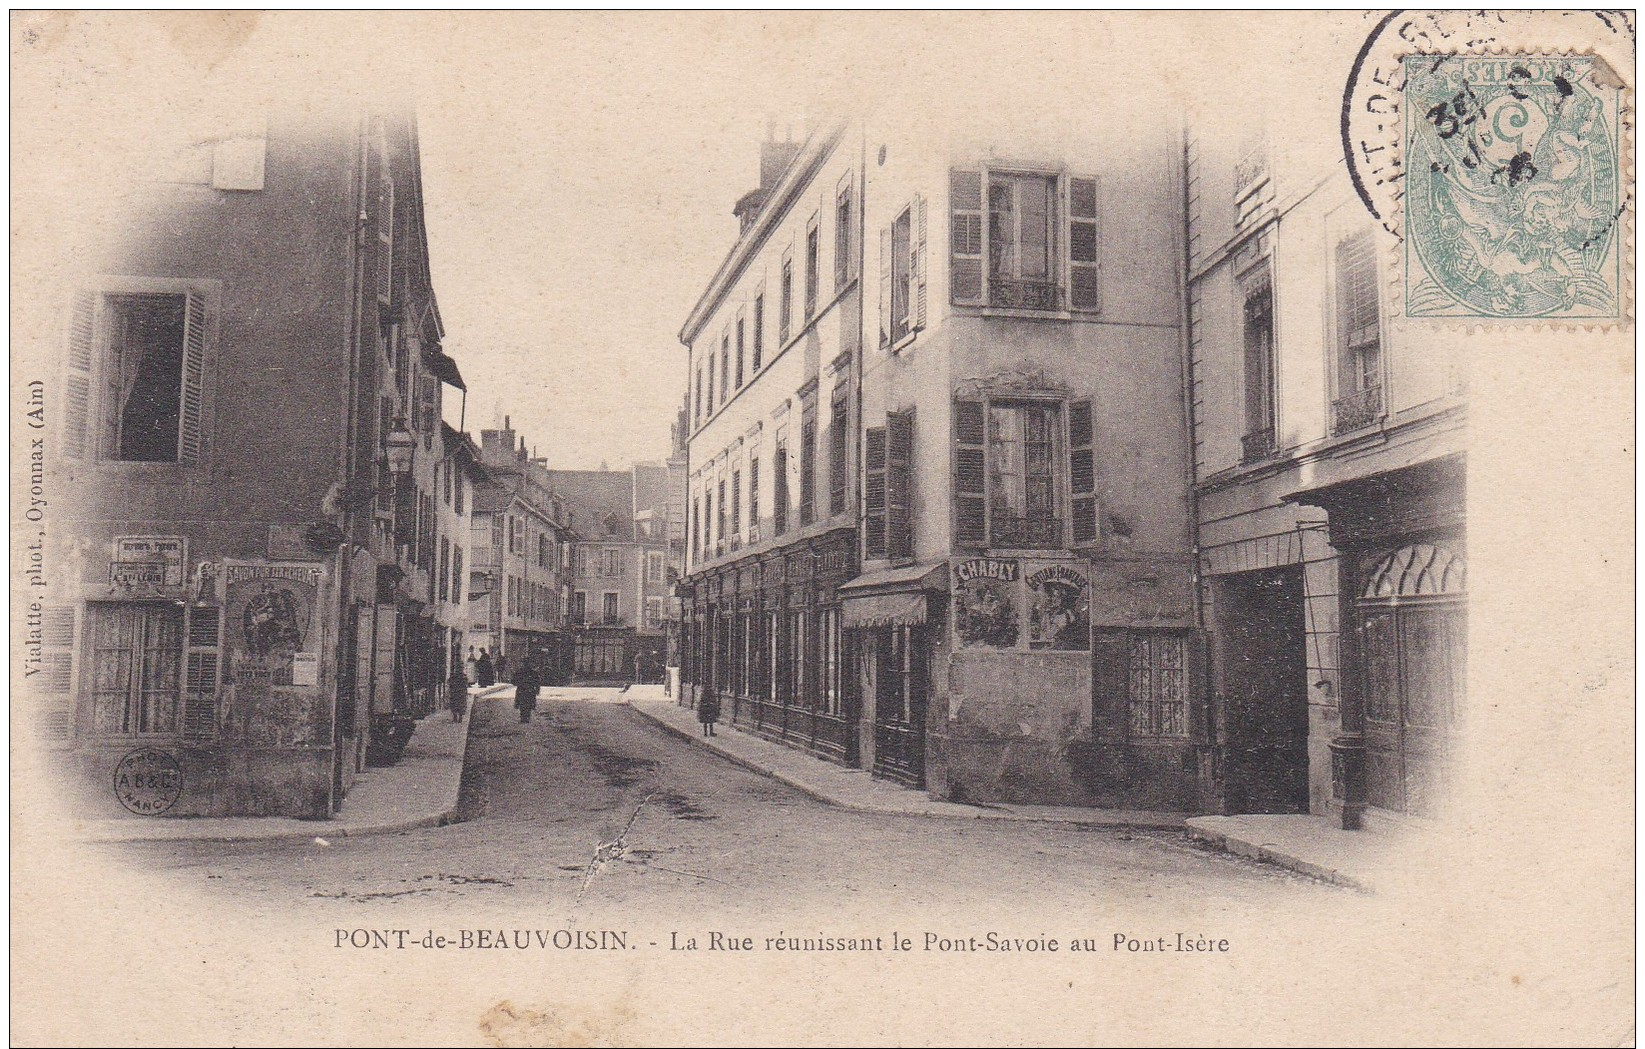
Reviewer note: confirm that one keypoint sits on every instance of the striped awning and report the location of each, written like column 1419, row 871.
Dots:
column 893, row 597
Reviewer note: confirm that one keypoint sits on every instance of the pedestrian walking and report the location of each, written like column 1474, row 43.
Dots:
column 457, row 693
column 708, row 710
column 502, row 669
column 526, row 683
column 471, row 665
column 484, row 673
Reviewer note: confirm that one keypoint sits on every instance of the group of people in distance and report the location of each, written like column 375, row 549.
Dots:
column 479, row 669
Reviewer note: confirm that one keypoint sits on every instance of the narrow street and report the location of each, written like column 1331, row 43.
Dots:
column 590, row 809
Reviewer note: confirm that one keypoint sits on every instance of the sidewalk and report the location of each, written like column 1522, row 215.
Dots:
column 1311, row 845
column 855, row 789
column 420, row 790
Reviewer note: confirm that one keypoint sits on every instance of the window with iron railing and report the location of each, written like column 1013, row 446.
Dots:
column 1023, row 240
column 1020, row 477
column 1358, row 402
column 1258, row 335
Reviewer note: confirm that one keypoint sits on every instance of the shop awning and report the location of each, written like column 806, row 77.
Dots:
column 893, row 597
column 445, row 369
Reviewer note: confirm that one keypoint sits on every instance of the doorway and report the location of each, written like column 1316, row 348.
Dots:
column 901, row 672
column 1264, row 669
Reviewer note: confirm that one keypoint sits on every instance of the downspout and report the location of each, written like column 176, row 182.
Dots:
column 351, row 352
column 1179, row 168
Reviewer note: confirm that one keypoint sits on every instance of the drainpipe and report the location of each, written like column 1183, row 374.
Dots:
column 1178, row 162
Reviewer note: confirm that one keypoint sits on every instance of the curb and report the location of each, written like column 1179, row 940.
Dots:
column 848, row 806
column 322, row 828
column 1221, row 840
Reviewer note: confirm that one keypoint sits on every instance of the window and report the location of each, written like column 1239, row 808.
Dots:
column 1009, row 468
column 902, row 289
column 136, row 394
column 808, row 471
column 457, row 493
column 445, row 569
column 719, row 521
column 739, row 353
column 828, row 627
column 709, row 405
column 736, row 503
column 1012, row 247
column 656, row 567
column 1155, row 696
column 708, row 524
column 725, row 367
column 1258, row 335
column 785, row 310
column 838, row 436
column 754, row 500
column 653, row 613
column 759, row 330
column 611, row 561
column 609, row 601
column 843, row 222
column 696, row 522
column 698, row 411
column 136, row 663
column 1359, row 336
column 811, row 247
column 579, row 607
column 888, row 468
column 459, row 581
column 779, row 489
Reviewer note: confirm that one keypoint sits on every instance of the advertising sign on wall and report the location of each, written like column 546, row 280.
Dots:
column 985, row 602
column 1058, row 611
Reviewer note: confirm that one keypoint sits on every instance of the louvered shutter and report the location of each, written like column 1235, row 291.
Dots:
column 56, row 677
column 1082, row 471
column 874, row 502
column 385, row 226
column 965, row 237
column 77, row 374
column 970, row 475
column 190, row 434
column 1084, row 292
column 899, row 458
column 917, row 266
column 431, row 404
column 200, row 682
column 885, row 286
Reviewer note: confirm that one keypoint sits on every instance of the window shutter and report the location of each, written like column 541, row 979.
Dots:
column 200, row 687
column 77, row 376
column 189, row 433
column 838, row 426
column 385, row 225
column 1111, row 667
column 899, row 456
column 430, row 390
column 1083, row 267
column 965, row 237
column 916, row 266
column 874, row 501
column 57, row 623
column 1082, row 471
column 885, row 287
column 970, row 475
column 808, row 471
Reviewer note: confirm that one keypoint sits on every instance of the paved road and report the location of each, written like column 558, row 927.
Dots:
column 590, row 810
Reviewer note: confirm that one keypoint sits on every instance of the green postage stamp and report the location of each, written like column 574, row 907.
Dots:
column 1513, row 200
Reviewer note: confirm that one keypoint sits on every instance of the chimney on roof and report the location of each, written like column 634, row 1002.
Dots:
column 774, row 160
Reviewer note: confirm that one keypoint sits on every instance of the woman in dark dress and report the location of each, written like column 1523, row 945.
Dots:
column 526, row 683
column 708, row 710
column 483, row 670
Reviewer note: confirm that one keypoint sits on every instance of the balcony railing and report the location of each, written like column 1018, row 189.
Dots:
column 1024, row 532
column 1024, row 294
column 1257, row 445
column 1356, row 411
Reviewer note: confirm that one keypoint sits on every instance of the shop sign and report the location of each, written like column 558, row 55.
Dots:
column 148, row 560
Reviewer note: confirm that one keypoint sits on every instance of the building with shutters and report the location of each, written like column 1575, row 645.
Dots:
column 611, row 555
column 940, row 526
column 1329, row 473
column 521, row 562
column 244, row 549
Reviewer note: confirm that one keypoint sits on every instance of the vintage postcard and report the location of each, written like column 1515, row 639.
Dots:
column 822, row 528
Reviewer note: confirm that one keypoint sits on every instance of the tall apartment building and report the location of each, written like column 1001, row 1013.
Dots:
column 938, row 472
column 607, row 579
column 1329, row 472
column 244, row 553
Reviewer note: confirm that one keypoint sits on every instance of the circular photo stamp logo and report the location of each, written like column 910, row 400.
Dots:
column 148, row 782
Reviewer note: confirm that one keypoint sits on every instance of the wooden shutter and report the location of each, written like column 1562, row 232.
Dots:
column 77, row 374
column 200, row 681
column 899, row 458
column 808, row 471
column 885, row 286
column 56, row 677
column 838, row 426
column 1082, row 471
column 1084, row 292
column 965, row 237
column 429, row 391
column 916, row 265
column 1110, row 685
column 385, row 224
column 970, row 475
column 754, row 500
column 190, row 437
column 874, row 503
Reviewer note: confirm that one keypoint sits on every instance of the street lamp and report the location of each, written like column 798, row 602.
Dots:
column 401, row 447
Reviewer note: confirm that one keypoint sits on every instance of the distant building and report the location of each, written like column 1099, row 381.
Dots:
column 246, row 545
column 519, row 577
column 607, row 582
